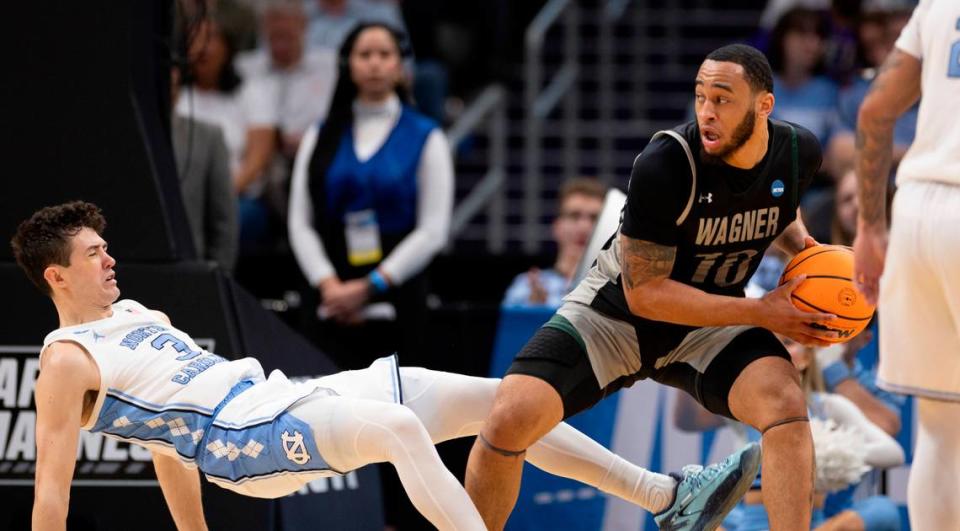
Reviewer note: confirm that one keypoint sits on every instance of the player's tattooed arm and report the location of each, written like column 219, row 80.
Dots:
column 895, row 89
column 643, row 261
column 651, row 293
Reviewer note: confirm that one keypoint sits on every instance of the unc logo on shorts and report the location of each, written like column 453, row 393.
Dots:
column 294, row 448
column 777, row 188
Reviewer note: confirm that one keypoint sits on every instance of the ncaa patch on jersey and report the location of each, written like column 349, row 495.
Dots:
column 777, row 188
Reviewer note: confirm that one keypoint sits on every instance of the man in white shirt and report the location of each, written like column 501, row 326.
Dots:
column 332, row 20
column 919, row 290
column 303, row 79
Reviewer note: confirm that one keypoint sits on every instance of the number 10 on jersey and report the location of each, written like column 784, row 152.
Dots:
column 737, row 261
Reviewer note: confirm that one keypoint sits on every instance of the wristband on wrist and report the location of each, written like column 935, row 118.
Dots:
column 378, row 282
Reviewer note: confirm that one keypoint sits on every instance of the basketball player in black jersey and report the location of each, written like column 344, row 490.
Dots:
column 665, row 301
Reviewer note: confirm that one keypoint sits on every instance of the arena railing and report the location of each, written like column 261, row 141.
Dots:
column 488, row 109
column 540, row 101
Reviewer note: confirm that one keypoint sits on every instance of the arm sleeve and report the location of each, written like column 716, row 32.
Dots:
column 304, row 239
column 658, row 192
column 434, row 207
column 221, row 224
column 909, row 40
column 882, row 450
column 811, row 157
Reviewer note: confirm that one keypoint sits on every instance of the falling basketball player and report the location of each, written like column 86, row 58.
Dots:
column 919, row 290
column 665, row 301
column 123, row 370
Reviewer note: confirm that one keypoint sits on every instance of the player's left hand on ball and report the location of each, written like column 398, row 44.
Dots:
column 781, row 316
column 869, row 253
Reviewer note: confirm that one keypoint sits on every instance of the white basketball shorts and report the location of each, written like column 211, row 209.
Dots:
column 919, row 308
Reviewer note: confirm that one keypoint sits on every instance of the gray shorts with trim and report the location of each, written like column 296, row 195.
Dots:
column 587, row 356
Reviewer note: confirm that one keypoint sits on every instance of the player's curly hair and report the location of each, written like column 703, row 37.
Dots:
column 44, row 238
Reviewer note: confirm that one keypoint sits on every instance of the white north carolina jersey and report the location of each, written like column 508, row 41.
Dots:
column 933, row 36
column 160, row 390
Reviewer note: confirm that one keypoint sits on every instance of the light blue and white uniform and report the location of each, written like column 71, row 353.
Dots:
column 160, row 390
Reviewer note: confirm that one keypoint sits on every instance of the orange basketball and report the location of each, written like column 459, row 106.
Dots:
column 829, row 288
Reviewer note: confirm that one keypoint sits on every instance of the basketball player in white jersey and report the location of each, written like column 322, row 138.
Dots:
column 123, row 370
column 919, row 290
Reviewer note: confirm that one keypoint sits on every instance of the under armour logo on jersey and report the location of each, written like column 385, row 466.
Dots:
column 708, row 197
column 294, row 448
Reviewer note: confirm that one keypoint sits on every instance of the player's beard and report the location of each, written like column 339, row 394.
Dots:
column 741, row 134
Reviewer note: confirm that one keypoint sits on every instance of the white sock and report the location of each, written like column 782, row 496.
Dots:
column 654, row 492
column 567, row 452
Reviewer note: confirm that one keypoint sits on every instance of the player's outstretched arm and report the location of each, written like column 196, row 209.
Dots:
column 66, row 375
column 181, row 489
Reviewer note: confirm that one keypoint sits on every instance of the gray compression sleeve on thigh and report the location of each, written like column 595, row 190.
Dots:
column 501, row 451
column 784, row 421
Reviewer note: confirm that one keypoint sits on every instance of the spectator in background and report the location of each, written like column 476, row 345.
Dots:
column 579, row 204
column 303, row 79
column 827, row 215
column 215, row 93
column 840, row 42
column 370, row 205
column 332, row 20
column 803, row 95
column 774, row 10
column 843, row 226
column 878, row 30
column 208, row 198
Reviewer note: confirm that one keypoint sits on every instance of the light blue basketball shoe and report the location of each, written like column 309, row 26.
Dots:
column 704, row 496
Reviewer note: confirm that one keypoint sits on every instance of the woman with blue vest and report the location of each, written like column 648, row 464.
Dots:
column 370, row 205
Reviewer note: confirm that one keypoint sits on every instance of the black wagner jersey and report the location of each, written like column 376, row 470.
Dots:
column 721, row 219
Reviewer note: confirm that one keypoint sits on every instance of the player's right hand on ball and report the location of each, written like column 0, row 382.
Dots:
column 778, row 314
